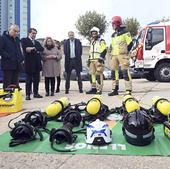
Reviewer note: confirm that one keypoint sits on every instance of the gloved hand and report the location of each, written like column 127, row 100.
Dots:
column 100, row 60
column 88, row 63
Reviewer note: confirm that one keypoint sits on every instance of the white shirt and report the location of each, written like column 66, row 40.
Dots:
column 72, row 49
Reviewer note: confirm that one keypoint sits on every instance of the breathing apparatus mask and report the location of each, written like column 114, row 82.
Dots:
column 27, row 128
column 62, row 135
column 71, row 118
column 36, row 119
column 23, row 133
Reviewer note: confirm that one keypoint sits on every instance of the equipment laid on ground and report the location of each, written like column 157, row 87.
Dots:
column 137, row 122
column 138, row 128
column 130, row 104
column 94, row 105
column 95, row 109
column 28, row 127
column 36, row 119
column 160, row 109
column 56, row 107
column 62, row 135
column 166, row 128
column 11, row 100
column 23, row 133
column 98, row 133
column 72, row 116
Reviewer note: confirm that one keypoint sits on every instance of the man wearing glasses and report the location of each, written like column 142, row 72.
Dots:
column 11, row 56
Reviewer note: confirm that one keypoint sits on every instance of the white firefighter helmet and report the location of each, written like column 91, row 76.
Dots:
column 98, row 133
column 95, row 29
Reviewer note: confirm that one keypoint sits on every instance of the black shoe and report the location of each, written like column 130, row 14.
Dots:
column 92, row 91
column 52, row 93
column 128, row 92
column 27, row 97
column 37, row 96
column 81, row 91
column 113, row 93
column 57, row 91
column 99, row 92
column 66, row 92
column 47, row 94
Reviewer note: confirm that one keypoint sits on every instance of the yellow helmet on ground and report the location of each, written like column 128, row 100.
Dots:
column 94, row 105
column 162, row 105
column 130, row 103
column 57, row 106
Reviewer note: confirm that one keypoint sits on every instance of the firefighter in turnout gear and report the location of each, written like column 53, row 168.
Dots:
column 96, row 62
column 121, row 44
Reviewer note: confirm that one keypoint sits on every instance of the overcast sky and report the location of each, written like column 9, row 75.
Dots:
column 56, row 17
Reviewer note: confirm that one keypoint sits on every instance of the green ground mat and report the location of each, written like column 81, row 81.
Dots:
column 160, row 146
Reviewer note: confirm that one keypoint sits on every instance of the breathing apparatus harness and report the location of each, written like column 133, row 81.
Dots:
column 71, row 118
column 101, row 114
column 56, row 118
column 157, row 116
column 27, row 128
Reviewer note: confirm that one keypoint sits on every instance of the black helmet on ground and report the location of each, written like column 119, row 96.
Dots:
column 138, row 128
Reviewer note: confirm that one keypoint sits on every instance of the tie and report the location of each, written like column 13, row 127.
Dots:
column 33, row 41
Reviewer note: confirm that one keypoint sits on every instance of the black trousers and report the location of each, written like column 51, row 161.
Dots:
column 10, row 77
column 68, row 74
column 48, row 81
column 32, row 78
column 58, row 82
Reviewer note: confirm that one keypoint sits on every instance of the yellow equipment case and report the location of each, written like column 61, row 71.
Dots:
column 11, row 100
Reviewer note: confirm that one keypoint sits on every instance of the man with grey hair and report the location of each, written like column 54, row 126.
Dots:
column 73, row 53
column 11, row 56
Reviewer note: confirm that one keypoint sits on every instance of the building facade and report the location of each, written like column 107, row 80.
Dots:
column 15, row 12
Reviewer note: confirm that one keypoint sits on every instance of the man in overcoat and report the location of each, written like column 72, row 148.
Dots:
column 11, row 56
column 32, row 50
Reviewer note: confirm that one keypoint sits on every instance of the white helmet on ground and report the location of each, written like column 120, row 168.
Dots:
column 98, row 133
column 95, row 29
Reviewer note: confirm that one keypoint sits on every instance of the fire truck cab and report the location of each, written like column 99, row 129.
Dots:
column 153, row 51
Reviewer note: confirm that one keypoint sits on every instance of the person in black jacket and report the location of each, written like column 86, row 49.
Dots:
column 73, row 52
column 11, row 56
column 32, row 50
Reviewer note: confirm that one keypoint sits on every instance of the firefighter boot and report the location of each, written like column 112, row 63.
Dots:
column 114, row 92
column 92, row 91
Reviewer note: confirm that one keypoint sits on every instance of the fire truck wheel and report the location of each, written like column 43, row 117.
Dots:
column 162, row 72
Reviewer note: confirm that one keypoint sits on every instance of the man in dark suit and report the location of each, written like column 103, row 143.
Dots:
column 11, row 56
column 32, row 50
column 73, row 52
